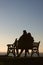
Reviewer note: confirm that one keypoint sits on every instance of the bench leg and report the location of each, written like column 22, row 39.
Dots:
column 33, row 51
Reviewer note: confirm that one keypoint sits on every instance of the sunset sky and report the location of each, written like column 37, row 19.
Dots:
column 19, row 15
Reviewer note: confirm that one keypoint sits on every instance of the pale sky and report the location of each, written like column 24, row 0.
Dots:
column 17, row 15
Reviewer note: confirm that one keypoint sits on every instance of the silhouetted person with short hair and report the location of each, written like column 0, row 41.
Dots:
column 22, row 39
column 24, row 32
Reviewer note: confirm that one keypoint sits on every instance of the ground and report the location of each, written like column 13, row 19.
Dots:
column 5, row 60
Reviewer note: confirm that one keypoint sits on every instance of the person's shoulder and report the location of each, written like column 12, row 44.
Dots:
column 32, row 38
column 20, row 37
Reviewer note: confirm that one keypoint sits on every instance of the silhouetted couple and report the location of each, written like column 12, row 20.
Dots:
column 25, row 42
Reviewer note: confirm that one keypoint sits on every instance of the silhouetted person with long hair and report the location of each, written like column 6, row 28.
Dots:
column 30, row 40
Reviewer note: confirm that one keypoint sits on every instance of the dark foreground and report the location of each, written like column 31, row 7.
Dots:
column 4, row 60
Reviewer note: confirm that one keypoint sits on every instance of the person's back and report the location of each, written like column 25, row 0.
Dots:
column 22, row 40
column 30, row 40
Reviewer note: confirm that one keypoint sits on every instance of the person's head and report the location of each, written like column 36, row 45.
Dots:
column 29, row 34
column 24, row 32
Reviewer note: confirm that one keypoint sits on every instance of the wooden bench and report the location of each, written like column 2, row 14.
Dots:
column 11, row 49
column 35, row 48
